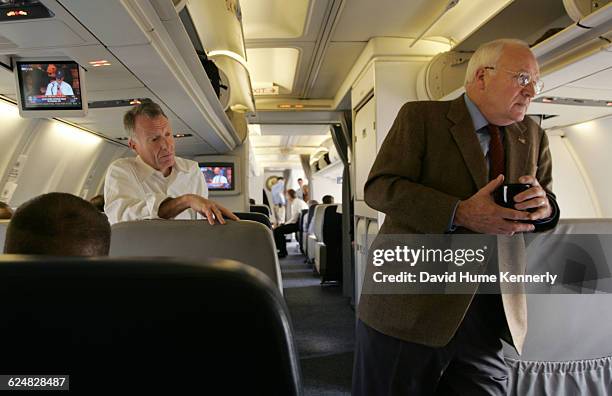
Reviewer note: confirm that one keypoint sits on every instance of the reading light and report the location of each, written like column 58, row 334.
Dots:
column 14, row 13
column 548, row 100
column 99, row 63
column 135, row 102
column 302, row 106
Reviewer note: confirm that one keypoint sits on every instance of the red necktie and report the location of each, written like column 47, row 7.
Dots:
column 497, row 162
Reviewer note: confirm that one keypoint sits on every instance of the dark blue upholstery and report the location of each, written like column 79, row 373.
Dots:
column 147, row 325
column 258, row 217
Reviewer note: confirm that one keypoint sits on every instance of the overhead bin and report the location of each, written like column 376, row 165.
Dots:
column 324, row 156
column 148, row 38
column 219, row 27
column 587, row 39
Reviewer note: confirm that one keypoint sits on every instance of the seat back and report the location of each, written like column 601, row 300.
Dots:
column 319, row 218
column 303, row 214
column 568, row 349
column 3, row 226
column 263, row 209
column 316, row 224
column 328, row 231
column 207, row 327
column 254, row 216
column 246, row 241
column 304, row 230
column 311, row 211
column 300, row 231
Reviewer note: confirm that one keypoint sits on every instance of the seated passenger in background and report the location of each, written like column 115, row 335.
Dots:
column 98, row 202
column 5, row 211
column 58, row 224
column 295, row 206
column 252, row 201
column 156, row 184
column 327, row 199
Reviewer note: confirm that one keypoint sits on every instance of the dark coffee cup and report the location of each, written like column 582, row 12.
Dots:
column 504, row 195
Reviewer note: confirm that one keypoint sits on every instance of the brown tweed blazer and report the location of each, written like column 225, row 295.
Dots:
column 430, row 159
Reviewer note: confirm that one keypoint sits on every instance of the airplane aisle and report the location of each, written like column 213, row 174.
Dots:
column 324, row 328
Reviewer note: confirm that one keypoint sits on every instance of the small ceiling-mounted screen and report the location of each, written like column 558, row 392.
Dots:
column 50, row 88
column 219, row 175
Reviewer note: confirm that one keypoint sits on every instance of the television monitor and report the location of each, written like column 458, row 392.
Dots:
column 220, row 176
column 48, row 88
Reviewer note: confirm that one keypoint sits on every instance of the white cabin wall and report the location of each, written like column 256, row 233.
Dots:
column 52, row 156
column 13, row 131
column 94, row 183
column 256, row 178
column 256, row 186
column 326, row 185
column 590, row 144
column 569, row 185
column 394, row 85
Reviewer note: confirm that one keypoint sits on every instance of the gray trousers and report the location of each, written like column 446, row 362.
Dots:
column 470, row 364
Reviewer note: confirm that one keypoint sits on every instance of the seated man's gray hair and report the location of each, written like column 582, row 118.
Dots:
column 147, row 108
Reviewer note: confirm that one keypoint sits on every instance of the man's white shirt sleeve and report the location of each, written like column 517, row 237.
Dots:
column 296, row 208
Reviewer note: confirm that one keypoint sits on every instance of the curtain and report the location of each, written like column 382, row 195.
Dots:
column 578, row 377
column 305, row 160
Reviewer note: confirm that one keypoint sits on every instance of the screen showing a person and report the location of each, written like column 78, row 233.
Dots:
column 49, row 86
column 219, row 176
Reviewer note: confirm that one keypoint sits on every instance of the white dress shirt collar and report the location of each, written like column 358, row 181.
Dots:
column 145, row 170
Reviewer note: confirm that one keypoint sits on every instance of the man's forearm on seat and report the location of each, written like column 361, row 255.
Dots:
column 172, row 207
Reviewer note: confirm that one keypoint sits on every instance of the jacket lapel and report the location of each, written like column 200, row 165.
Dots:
column 517, row 148
column 465, row 137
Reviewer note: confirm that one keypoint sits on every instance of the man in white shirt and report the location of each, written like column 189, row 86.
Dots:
column 59, row 87
column 156, row 184
column 219, row 177
column 295, row 207
column 300, row 191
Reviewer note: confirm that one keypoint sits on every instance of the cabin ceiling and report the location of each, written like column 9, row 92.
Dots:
column 280, row 145
column 307, row 48
column 335, row 32
column 331, row 34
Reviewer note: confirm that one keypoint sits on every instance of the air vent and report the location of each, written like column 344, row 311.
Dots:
column 544, row 117
column 573, row 101
column 102, row 104
column 302, row 106
column 19, row 10
column 176, row 136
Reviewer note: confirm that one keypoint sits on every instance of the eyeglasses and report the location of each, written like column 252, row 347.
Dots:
column 524, row 79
